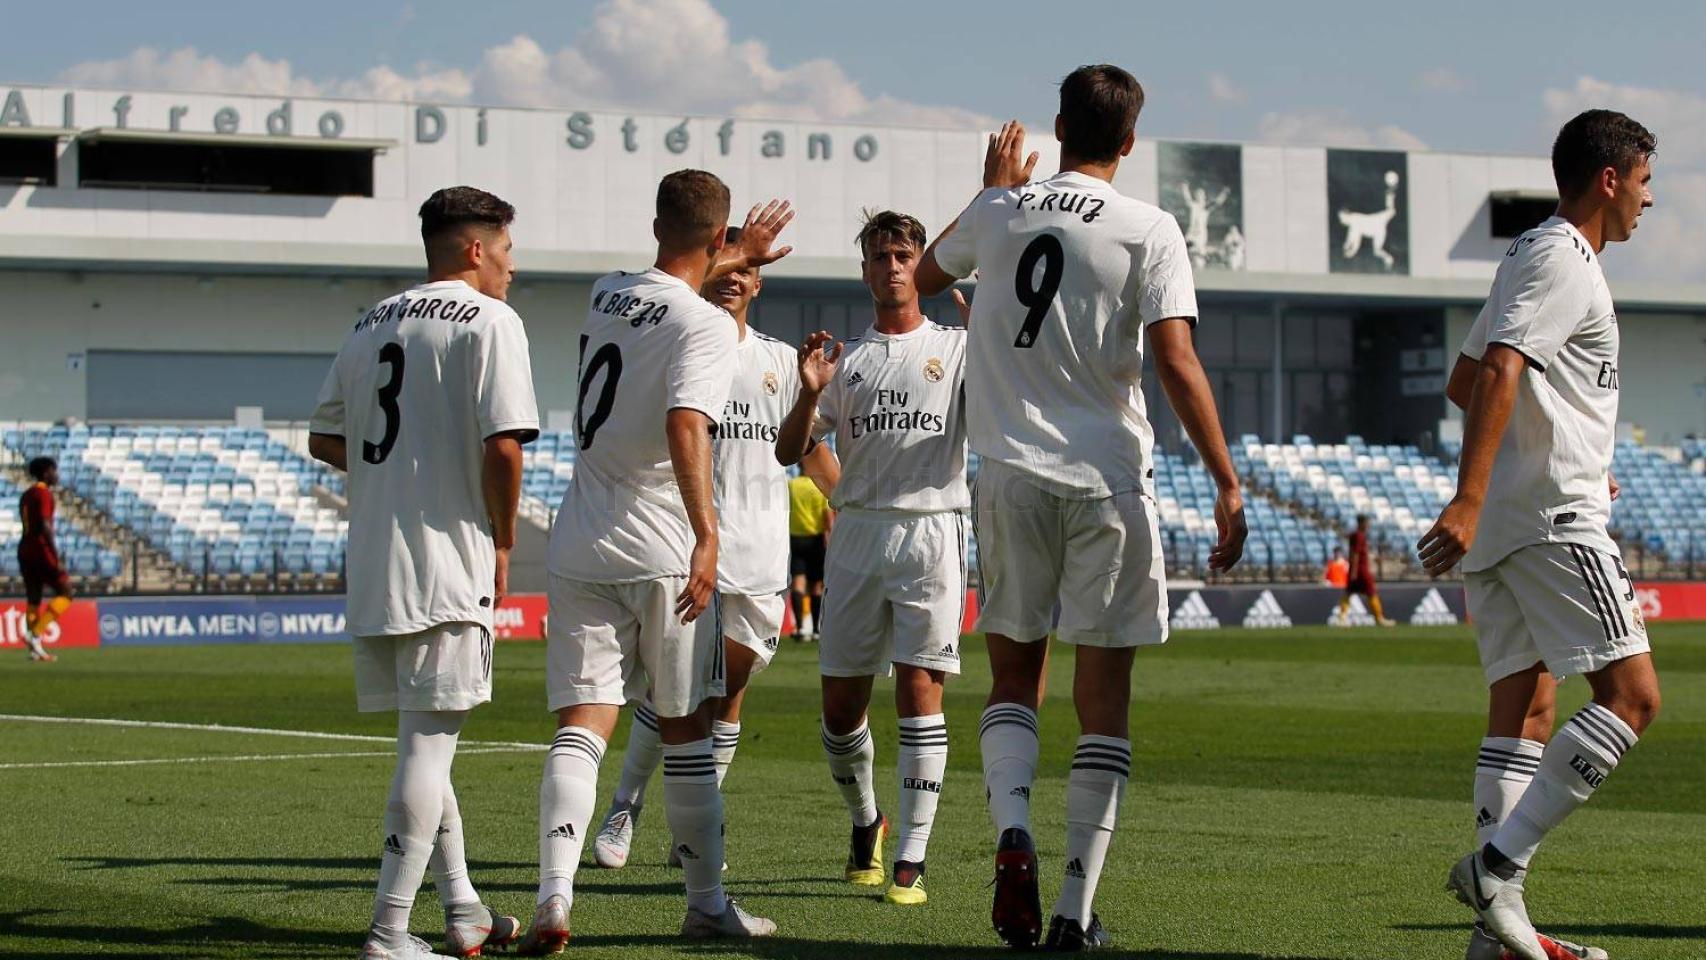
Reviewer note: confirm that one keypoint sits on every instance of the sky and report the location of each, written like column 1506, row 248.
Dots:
column 1447, row 75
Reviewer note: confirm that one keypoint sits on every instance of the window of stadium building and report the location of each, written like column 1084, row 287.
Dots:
column 208, row 166
column 32, row 160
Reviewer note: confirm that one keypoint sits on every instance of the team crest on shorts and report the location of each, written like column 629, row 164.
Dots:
column 771, row 384
column 933, row 370
column 1639, row 616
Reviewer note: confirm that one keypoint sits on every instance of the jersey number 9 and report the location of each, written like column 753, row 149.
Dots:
column 1037, row 297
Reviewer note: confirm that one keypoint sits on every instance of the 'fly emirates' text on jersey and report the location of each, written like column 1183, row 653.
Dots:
column 752, row 488
column 1070, row 272
column 896, row 407
column 423, row 379
column 1549, row 484
column 650, row 345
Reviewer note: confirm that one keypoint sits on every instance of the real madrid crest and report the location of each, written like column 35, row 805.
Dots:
column 933, row 371
column 771, row 384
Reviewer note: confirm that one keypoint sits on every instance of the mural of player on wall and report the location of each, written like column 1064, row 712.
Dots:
column 1368, row 211
column 1202, row 186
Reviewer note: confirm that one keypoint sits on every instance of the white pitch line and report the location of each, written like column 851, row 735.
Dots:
column 229, row 759
column 261, row 731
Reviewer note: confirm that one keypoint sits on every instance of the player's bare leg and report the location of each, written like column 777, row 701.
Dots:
column 1007, row 737
column 566, row 796
column 847, row 744
column 920, row 766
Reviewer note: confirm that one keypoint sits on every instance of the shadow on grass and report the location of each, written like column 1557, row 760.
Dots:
column 370, row 864
column 1587, row 931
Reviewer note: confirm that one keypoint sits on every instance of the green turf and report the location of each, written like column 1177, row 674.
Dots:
column 1296, row 794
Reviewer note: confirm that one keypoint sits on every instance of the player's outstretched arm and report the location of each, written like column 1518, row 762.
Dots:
column 1462, row 382
column 500, row 482
column 1005, row 165
column 1489, row 412
column 1187, row 389
column 328, row 448
column 757, row 244
column 689, row 433
column 823, row 467
column 817, row 367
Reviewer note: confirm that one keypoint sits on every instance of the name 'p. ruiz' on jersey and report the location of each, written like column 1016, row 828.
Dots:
column 1549, row 484
column 752, row 487
column 1070, row 273
column 896, row 406
column 650, row 345
column 419, row 385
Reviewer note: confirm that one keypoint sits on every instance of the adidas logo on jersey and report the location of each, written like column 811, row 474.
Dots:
column 1356, row 616
column 566, row 831
column 1266, row 613
column 856, row 379
column 1194, row 614
column 1075, row 868
column 1433, row 611
column 393, row 845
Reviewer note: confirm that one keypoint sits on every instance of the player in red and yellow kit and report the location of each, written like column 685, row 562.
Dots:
column 38, row 557
column 1361, row 578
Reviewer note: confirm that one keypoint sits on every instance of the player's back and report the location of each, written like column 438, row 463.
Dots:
column 1070, row 272
column 650, row 344
column 423, row 379
column 35, row 510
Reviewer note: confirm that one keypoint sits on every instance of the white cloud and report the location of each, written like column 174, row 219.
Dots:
column 1442, row 80
column 1222, row 89
column 1333, row 128
column 672, row 56
column 1671, row 242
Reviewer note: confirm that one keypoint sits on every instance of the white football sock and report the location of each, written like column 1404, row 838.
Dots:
column 725, row 740
column 1502, row 772
column 695, row 811
column 644, row 753
column 426, row 747
column 850, row 758
column 1008, row 740
column 449, row 862
column 1100, row 768
column 1579, row 758
column 566, row 796
column 922, row 761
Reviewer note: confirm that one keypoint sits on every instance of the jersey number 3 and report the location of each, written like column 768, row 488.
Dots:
column 392, row 356
column 1037, row 297
column 609, row 355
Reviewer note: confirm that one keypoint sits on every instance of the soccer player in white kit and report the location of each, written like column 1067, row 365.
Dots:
column 894, row 577
column 751, row 492
column 633, row 555
column 435, row 390
column 1072, row 276
column 1546, row 586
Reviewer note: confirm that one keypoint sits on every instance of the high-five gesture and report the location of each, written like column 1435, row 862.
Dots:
column 817, row 372
column 817, row 364
column 1004, row 162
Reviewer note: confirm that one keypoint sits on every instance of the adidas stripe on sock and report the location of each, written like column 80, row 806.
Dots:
column 695, row 811
column 1503, row 771
column 566, row 795
column 850, row 758
column 1007, row 737
column 920, row 764
column 640, row 760
column 725, row 740
column 1583, row 753
column 1100, row 768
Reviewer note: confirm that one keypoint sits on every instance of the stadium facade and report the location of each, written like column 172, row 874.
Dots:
column 175, row 256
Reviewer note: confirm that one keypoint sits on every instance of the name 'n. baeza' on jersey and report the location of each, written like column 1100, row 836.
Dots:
column 1070, row 272
column 752, row 487
column 650, row 345
column 423, row 379
column 1549, row 484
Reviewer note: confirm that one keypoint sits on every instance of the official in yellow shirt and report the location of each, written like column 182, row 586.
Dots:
column 809, row 521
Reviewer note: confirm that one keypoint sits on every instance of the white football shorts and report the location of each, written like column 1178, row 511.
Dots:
column 894, row 591
column 447, row 666
column 608, row 642
column 1570, row 607
column 754, row 622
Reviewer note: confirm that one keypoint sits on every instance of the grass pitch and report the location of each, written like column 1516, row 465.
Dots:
column 1295, row 794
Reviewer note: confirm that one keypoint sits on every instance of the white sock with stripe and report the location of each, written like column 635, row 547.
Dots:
column 1503, row 771
column 695, row 810
column 566, row 796
column 1007, row 738
column 1573, row 765
column 641, row 759
column 449, row 861
column 920, row 764
column 426, row 747
column 850, row 758
column 1100, row 768
column 725, row 740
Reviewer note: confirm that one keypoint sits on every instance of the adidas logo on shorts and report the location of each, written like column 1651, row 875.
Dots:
column 1433, row 612
column 1266, row 613
column 1194, row 614
column 1356, row 616
column 566, row 831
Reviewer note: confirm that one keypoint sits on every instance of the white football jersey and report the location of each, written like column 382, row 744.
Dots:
column 423, row 379
column 752, row 487
column 650, row 345
column 897, row 408
column 1549, row 483
column 1070, row 272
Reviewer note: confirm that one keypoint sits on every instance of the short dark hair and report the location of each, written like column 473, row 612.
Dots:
column 454, row 207
column 1362, row 518
column 1099, row 105
column 1594, row 140
column 889, row 225
column 40, row 466
column 692, row 206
